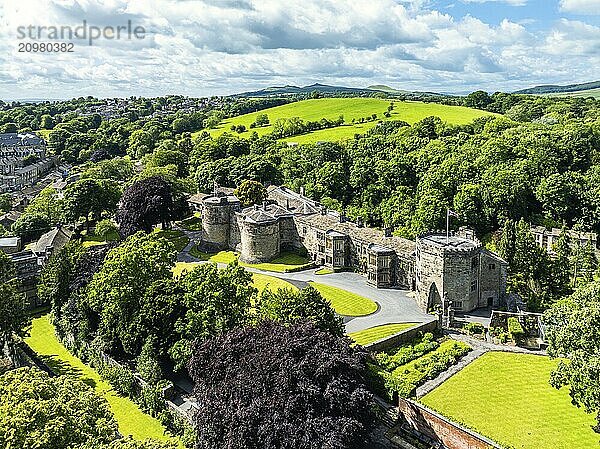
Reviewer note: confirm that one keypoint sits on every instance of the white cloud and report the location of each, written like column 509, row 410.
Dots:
column 510, row 2
column 580, row 6
column 201, row 47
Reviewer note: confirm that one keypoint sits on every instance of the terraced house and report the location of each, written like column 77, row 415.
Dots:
column 23, row 160
column 455, row 272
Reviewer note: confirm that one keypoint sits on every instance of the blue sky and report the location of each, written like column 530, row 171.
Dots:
column 212, row 47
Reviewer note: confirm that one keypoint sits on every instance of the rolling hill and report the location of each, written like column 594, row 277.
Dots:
column 295, row 90
column 351, row 108
column 591, row 89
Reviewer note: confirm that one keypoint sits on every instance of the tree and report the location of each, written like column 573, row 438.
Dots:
column 289, row 307
column 478, row 100
column 144, row 204
column 13, row 317
column 30, row 226
column 116, row 289
column 42, row 412
column 46, row 122
column 129, row 443
column 9, row 128
column 106, row 229
column 90, row 197
column 5, row 202
column 573, row 332
column 277, row 386
column 161, row 157
column 261, row 120
column 250, row 192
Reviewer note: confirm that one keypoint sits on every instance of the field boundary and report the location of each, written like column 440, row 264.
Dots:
column 432, row 427
column 402, row 337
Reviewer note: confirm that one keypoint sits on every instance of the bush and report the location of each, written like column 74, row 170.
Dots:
column 405, row 379
column 474, row 328
column 147, row 364
column 407, row 353
column 515, row 330
column 105, row 229
column 120, row 378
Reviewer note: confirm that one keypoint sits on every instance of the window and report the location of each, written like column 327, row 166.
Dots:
column 328, row 259
column 457, row 305
column 328, row 243
column 474, row 285
column 492, row 266
column 321, row 249
column 303, row 230
column 339, row 261
column 320, row 235
column 339, row 245
column 474, row 263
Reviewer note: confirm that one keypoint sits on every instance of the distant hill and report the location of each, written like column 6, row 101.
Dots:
column 295, row 90
column 580, row 89
column 384, row 88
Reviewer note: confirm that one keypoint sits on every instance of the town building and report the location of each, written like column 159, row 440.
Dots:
column 460, row 269
column 547, row 238
column 15, row 170
column 10, row 245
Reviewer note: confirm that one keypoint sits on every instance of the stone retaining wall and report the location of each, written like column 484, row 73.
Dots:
column 402, row 337
column 435, row 428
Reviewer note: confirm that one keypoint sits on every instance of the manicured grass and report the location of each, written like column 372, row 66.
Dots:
column 132, row 421
column 322, row 271
column 95, row 240
column 350, row 108
column 177, row 238
column 260, row 281
column 193, row 223
column 284, row 263
column 199, row 254
column 507, row 397
column 377, row 333
column 344, row 302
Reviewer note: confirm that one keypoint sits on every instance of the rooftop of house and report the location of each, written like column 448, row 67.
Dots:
column 51, row 239
column 555, row 232
column 26, row 139
column 10, row 242
column 265, row 213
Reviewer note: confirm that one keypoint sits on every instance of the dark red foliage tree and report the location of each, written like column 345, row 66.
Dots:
column 275, row 386
column 144, row 204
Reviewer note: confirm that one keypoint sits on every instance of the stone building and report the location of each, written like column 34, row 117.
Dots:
column 457, row 271
column 546, row 238
column 14, row 172
column 288, row 221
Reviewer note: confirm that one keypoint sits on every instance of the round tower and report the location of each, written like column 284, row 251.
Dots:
column 260, row 237
column 217, row 211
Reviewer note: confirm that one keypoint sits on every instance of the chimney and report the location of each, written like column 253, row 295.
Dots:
column 387, row 231
column 265, row 205
column 342, row 218
column 359, row 222
column 256, row 207
column 287, row 204
column 302, row 190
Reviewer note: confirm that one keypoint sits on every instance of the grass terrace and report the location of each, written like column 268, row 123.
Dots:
column 177, row 238
column 132, row 421
column 507, row 398
column 284, row 263
column 345, row 302
column 193, row 223
column 377, row 333
column 95, row 240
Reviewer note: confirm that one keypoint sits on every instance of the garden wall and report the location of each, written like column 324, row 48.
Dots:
column 433, row 427
column 402, row 337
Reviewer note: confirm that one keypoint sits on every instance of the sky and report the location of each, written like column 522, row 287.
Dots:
column 220, row 47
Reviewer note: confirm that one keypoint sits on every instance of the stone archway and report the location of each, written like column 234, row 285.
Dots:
column 434, row 298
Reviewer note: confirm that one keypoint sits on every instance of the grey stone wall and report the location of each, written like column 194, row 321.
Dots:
column 215, row 224
column 260, row 242
column 429, row 274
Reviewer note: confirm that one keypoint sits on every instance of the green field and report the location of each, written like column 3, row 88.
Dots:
column 377, row 333
column 132, row 421
column 595, row 93
column 283, row 263
column 507, row 397
column 350, row 108
column 344, row 302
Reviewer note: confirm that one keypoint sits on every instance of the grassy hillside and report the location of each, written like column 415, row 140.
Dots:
column 350, row 108
column 582, row 93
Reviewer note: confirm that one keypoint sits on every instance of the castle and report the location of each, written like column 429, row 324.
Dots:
column 442, row 270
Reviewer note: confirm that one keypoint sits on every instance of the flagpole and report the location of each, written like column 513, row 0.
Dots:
column 447, row 225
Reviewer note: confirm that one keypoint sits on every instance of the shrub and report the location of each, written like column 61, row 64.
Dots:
column 407, row 353
column 147, row 363
column 515, row 330
column 120, row 378
column 405, row 379
column 474, row 328
column 105, row 229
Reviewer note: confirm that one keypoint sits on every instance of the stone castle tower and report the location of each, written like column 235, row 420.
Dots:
column 458, row 272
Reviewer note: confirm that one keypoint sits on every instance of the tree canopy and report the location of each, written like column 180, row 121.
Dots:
column 277, row 386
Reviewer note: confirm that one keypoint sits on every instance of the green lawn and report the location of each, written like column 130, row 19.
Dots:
column 94, row 240
column 322, row 271
column 260, row 281
column 193, row 223
column 344, row 302
column 132, row 421
column 350, row 108
column 507, row 397
column 281, row 264
column 377, row 333
column 177, row 238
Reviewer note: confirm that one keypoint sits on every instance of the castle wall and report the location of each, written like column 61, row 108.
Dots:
column 461, row 278
column 215, row 224
column 235, row 236
column 288, row 234
column 429, row 274
column 260, row 242
column 492, row 281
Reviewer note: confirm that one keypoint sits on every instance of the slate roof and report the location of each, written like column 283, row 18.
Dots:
column 28, row 139
column 55, row 238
